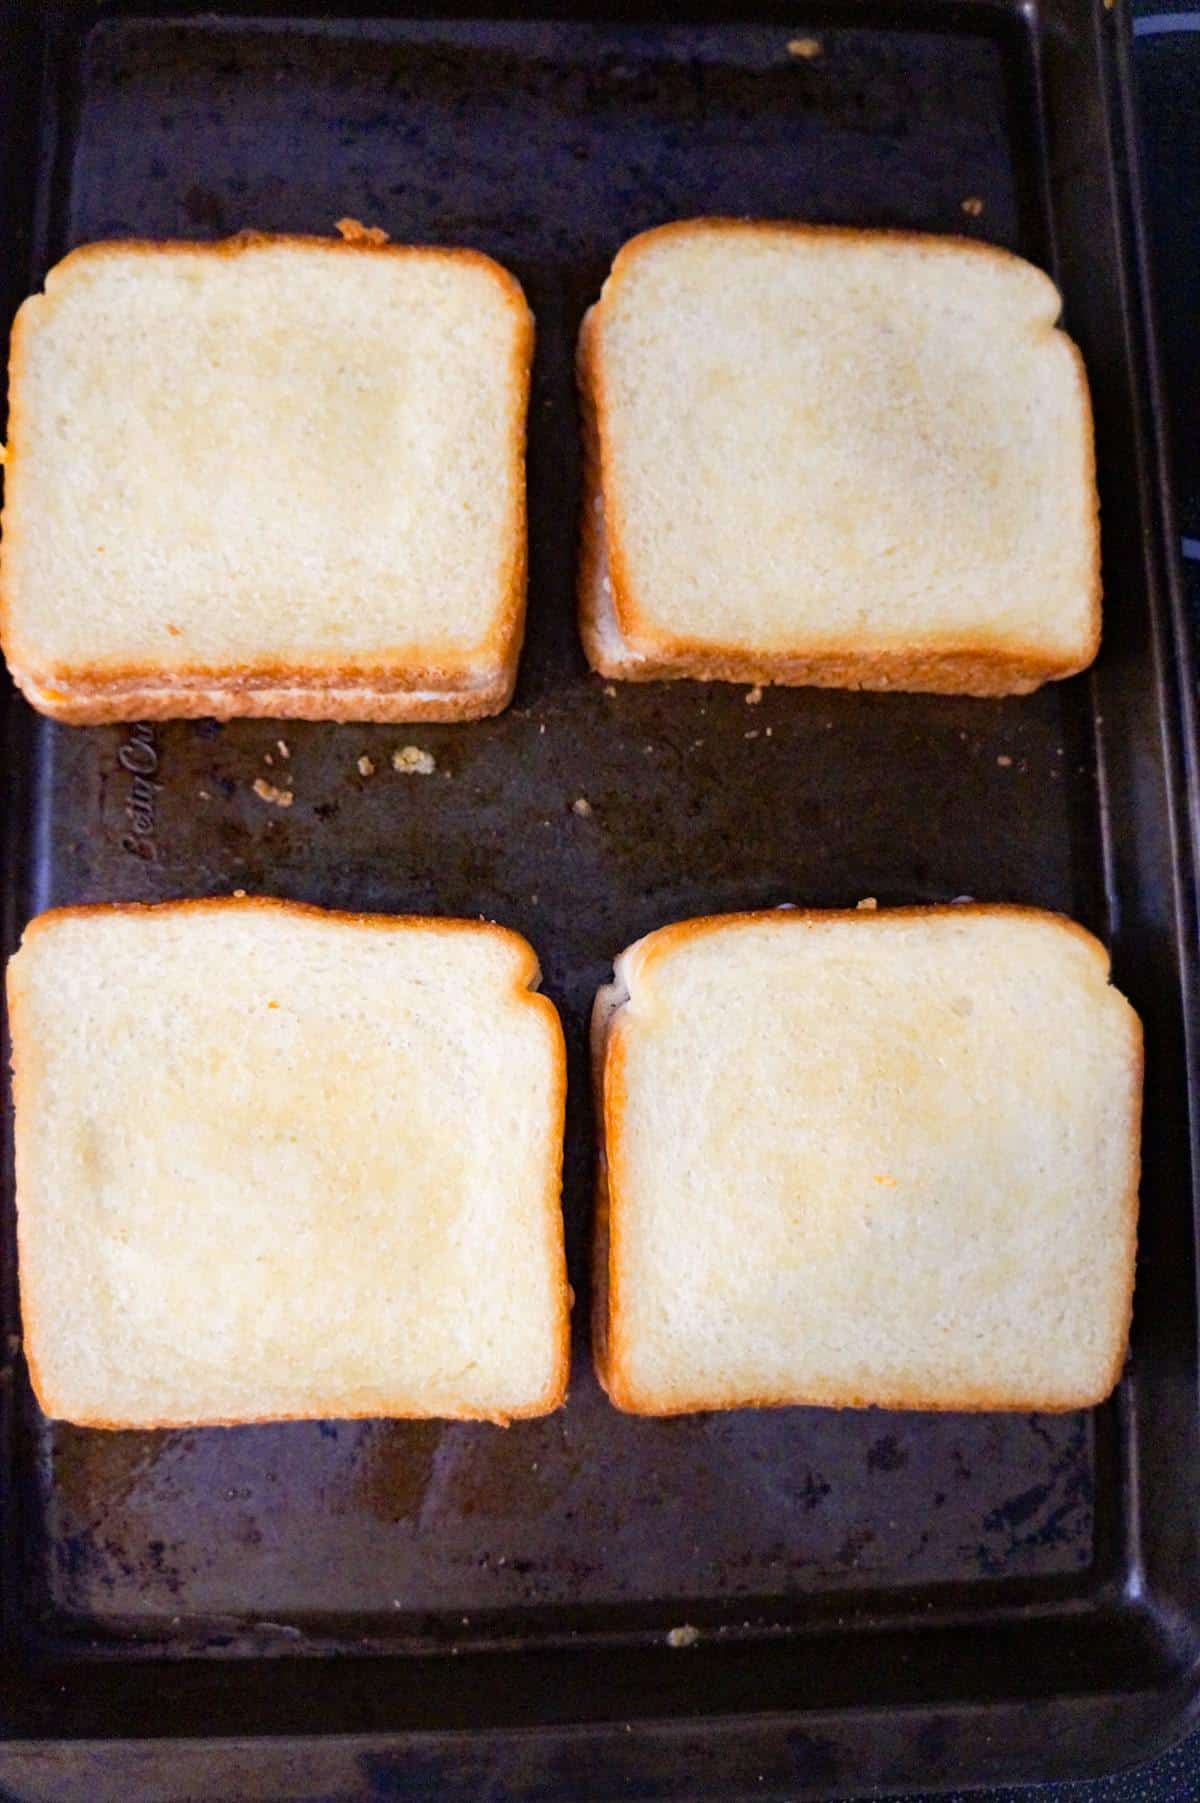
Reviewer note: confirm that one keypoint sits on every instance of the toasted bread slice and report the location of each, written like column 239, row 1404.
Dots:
column 275, row 1163
column 854, row 459
column 866, row 1158
column 273, row 476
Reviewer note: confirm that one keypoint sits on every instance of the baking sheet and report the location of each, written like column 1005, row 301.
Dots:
column 584, row 816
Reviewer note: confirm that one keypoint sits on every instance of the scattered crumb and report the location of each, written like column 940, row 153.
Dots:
column 754, row 695
column 769, row 731
column 410, row 760
column 750, row 735
column 1004, row 762
column 175, row 631
column 684, row 1636
column 804, row 47
column 239, row 894
column 267, row 758
column 534, row 902
column 582, row 806
column 355, row 232
column 283, row 748
column 278, row 798
column 542, row 726
column 972, row 206
column 366, row 766
column 883, row 1177
column 610, row 689
column 867, row 905
column 204, row 795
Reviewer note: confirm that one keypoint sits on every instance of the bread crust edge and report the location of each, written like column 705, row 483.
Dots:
column 344, row 706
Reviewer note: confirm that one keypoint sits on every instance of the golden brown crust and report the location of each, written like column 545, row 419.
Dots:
column 593, row 538
column 602, row 1019
column 399, row 706
column 649, row 654
column 171, row 1422
column 526, row 975
column 81, row 688
column 612, row 1365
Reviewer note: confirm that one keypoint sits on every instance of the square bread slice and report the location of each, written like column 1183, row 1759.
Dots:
column 267, row 476
column 865, row 1158
column 848, row 458
column 274, row 1163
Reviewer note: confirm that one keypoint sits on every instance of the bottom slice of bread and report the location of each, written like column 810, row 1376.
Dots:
column 914, row 670
column 274, row 1163
column 108, row 706
column 865, row 1158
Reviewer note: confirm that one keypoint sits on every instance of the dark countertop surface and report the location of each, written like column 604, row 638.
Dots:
column 1167, row 57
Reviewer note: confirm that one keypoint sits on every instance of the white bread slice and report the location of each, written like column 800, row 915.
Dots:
column 274, row 1163
column 272, row 476
column 865, row 1158
column 854, row 459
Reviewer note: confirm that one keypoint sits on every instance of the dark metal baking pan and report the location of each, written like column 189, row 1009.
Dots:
column 390, row 1609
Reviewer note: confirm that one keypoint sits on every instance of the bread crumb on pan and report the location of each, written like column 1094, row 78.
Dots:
column 410, row 760
column 366, row 766
column 278, row 798
column 686, row 1635
column 805, row 48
